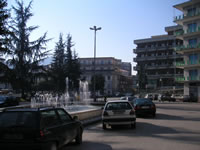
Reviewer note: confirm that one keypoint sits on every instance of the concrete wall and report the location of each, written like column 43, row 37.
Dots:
column 87, row 114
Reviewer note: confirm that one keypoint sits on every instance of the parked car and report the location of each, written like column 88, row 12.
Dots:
column 119, row 112
column 144, row 106
column 6, row 101
column 166, row 98
column 38, row 128
column 149, row 96
column 129, row 98
column 189, row 98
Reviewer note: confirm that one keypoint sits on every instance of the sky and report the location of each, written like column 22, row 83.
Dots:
column 122, row 22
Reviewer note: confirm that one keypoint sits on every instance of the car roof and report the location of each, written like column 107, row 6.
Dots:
column 114, row 101
column 28, row 109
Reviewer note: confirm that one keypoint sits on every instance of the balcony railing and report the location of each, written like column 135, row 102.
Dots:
column 188, row 47
column 197, row 29
column 188, row 63
column 189, row 78
column 188, row 31
column 181, row 17
column 178, row 33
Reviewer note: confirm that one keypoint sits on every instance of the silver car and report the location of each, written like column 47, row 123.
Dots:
column 119, row 112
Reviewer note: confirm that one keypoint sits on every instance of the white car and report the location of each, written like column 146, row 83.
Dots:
column 119, row 112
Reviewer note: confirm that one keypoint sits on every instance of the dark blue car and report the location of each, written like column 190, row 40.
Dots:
column 144, row 106
column 6, row 101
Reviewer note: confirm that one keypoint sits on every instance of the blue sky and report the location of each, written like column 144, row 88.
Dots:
column 122, row 21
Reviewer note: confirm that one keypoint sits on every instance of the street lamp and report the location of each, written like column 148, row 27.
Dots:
column 94, row 86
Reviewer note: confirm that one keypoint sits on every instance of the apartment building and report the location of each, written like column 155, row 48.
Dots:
column 190, row 34
column 115, row 72
column 156, row 57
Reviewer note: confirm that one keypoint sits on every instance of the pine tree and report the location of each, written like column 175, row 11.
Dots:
column 4, row 29
column 25, row 56
column 58, row 71
column 72, row 66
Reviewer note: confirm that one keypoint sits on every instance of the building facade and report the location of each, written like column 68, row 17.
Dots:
column 156, row 58
column 190, row 34
column 115, row 72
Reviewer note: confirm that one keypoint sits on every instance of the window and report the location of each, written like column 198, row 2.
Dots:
column 191, row 11
column 192, row 27
column 118, row 106
column 49, row 118
column 25, row 119
column 64, row 116
column 108, row 77
column 192, row 42
column 193, row 73
column 193, row 59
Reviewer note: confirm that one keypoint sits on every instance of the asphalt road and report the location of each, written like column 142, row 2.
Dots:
column 176, row 127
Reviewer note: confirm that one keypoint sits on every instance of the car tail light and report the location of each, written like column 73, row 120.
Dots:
column 132, row 112
column 153, row 106
column 41, row 133
column 137, row 107
column 105, row 113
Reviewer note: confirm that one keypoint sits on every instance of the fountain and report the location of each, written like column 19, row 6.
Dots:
column 76, row 103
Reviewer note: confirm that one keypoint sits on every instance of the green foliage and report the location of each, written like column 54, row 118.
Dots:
column 4, row 29
column 72, row 65
column 58, row 70
column 142, row 77
column 24, row 57
column 65, row 65
column 99, row 83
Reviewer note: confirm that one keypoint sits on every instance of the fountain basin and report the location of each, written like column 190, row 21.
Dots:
column 87, row 115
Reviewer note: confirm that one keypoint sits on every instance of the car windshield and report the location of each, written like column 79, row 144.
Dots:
column 118, row 106
column 143, row 100
column 18, row 119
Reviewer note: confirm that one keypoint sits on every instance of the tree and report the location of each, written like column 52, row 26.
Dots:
column 142, row 77
column 65, row 65
column 72, row 65
column 99, row 83
column 58, row 71
column 4, row 29
column 25, row 56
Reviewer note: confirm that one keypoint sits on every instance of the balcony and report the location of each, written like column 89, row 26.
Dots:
column 188, row 79
column 188, row 64
column 152, row 48
column 190, row 32
column 188, row 17
column 187, row 49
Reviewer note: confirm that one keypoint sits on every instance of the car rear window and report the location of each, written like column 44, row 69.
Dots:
column 118, row 106
column 13, row 119
column 145, row 100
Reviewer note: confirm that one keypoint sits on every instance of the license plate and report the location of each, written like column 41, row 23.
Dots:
column 145, row 107
column 13, row 136
column 118, row 112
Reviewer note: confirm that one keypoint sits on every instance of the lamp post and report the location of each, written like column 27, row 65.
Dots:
column 94, row 72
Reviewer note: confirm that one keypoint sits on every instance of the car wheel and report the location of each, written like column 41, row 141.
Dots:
column 154, row 115
column 133, row 126
column 52, row 146
column 79, row 138
column 104, row 126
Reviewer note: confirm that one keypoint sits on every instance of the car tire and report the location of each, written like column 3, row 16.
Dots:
column 52, row 146
column 79, row 137
column 104, row 126
column 133, row 126
column 154, row 115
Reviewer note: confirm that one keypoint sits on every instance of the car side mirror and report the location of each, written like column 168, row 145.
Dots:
column 75, row 118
